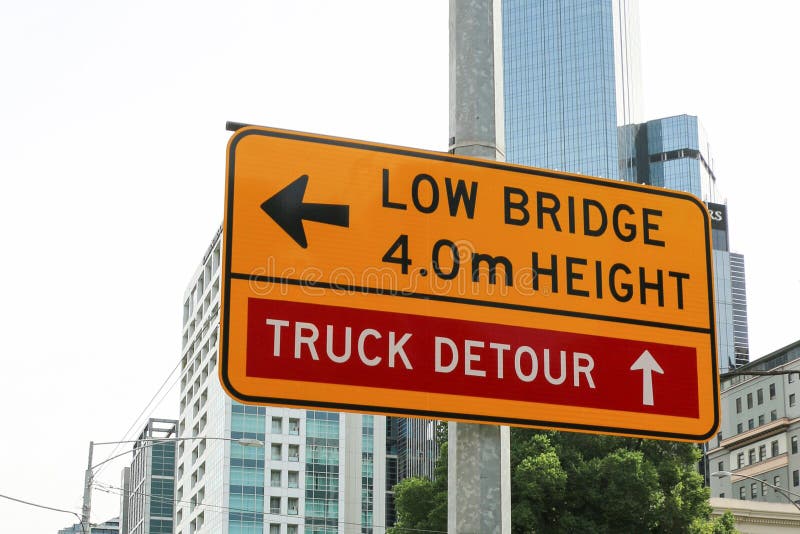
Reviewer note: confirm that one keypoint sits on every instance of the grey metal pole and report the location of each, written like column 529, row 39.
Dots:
column 86, row 509
column 479, row 464
column 476, row 79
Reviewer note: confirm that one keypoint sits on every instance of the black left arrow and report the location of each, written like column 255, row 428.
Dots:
column 287, row 209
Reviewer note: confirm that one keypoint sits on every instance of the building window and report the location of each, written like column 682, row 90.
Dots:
column 749, row 400
column 294, row 426
column 294, row 453
column 753, row 490
column 291, row 529
column 739, row 460
column 274, row 505
column 751, row 456
column 760, row 396
column 277, row 450
column 792, row 399
column 275, row 478
column 773, row 415
column 738, row 405
column 775, row 448
column 294, row 479
column 722, row 495
column 277, row 425
column 761, row 419
column 794, row 444
column 742, row 495
column 763, row 488
column 791, row 377
column 762, row 453
column 750, row 424
column 795, row 478
column 292, row 506
column 776, row 482
column 720, row 466
column 739, row 428
column 274, row 528
column 771, row 391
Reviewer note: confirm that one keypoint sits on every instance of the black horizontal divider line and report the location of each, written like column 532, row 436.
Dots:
column 462, row 300
column 462, row 416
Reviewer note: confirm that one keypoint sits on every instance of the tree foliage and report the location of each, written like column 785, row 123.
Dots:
column 569, row 482
column 421, row 503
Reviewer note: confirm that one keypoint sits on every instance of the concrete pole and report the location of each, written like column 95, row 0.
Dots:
column 476, row 79
column 479, row 463
column 86, row 509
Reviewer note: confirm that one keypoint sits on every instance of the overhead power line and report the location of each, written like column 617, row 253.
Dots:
column 44, row 507
column 138, row 419
column 215, row 508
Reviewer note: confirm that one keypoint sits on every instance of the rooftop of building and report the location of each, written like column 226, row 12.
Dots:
column 158, row 428
column 771, row 361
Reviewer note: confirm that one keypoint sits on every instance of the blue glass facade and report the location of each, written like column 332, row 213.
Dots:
column 322, row 472
column 559, row 85
column 741, row 344
column 247, row 471
column 162, row 488
column 571, row 90
column 673, row 153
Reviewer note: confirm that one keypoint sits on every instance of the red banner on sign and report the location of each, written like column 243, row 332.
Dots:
column 348, row 346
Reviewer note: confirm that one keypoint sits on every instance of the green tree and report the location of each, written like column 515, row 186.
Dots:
column 724, row 524
column 618, row 484
column 565, row 482
column 421, row 503
column 413, row 498
column 538, row 482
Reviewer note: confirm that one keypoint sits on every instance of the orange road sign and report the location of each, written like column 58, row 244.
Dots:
column 374, row 278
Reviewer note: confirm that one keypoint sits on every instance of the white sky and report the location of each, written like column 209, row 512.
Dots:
column 112, row 159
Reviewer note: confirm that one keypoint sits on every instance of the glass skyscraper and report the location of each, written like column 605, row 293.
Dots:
column 571, row 76
column 572, row 103
column 741, row 345
column 674, row 153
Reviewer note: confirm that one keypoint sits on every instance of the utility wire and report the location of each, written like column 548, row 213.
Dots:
column 115, row 490
column 45, row 507
column 147, row 406
column 138, row 419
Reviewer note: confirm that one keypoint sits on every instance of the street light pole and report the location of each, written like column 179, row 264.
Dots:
column 784, row 492
column 86, row 509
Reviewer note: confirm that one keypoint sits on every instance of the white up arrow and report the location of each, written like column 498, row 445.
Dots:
column 648, row 365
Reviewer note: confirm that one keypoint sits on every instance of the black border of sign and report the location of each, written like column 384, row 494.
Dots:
column 228, row 276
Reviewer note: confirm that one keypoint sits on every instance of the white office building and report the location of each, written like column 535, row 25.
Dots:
column 759, row 438
column 318, row 472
